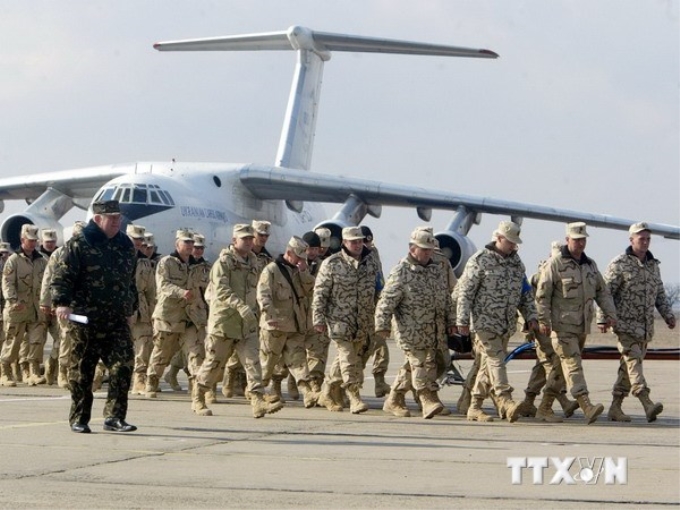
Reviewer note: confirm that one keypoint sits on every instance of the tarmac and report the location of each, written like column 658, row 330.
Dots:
column 312, row 458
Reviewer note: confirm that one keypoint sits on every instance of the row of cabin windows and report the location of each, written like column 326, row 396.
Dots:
column 136, row 194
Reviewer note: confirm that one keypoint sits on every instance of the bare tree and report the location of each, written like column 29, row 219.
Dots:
column 673, row 293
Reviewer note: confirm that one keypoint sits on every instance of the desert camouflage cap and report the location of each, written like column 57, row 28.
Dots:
column 324, row 235
column 29, row 232
column 352, row 234
column 135, row 231
column 149, row 239
column 184, row 234
column 425, row 228
column 423, row 239
column 639, row 227
column 261, row 227
column 510, row 230
column 555, row 248
column 298, row 246
column 199, row 240
column 107, row 207
column 576, row 230
column 4, row 247
column 48, row 234
column 243, row 230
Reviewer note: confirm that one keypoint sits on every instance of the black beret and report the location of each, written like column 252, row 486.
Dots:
column 368, row 235
column 312, row 239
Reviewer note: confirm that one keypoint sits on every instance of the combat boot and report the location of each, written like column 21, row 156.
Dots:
column 241, row 383
column 429, row 404
column 590, row 411
column 198, row 400
column 326, row 397
column 356, row 405
column 309, row 397
column 260, row 407
column 228, row 383
column 35, row 377
column 62, row 379
column 6, row 375
column 652, row 410
column 171, row 378
column 276, row 387
column 381, row 387
column 25, row 373
column 316, row 385
column 615, row 412
column 476, row 413
column 568, row 406
column 445, row 410
column 528, row 407
column 151, row 390
column 292, row 387
column 51, row 369
column 464, row 401
column 510, row 409
column 395, row 404
column 138, row 383
column 211, row 395
column 545, row 412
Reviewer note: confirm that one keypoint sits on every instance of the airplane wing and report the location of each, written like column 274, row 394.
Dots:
column 290, row 184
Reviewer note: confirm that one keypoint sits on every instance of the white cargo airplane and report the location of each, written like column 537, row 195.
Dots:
column 212, row 197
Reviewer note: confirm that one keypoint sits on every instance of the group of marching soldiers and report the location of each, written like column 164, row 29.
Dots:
column 251, row 320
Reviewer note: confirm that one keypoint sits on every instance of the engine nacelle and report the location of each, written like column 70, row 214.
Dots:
column 10, row 230
column 335, row 227
column 458, row 248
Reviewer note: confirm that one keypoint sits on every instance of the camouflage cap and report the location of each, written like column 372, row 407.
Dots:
column 510, row 230
column 298, row 247
column 199, row 241
column 4, row 247
column 555, row 248
column 29, row 231
column 48, row 234
column 149, row 239
column 324, row 235
column 243, row 230
column 422, row 239
column 261, row 227
column 352, row 234
column 78, row 227
column 425, row 228
column 107, row 207
column 576, row 230
column 135, row 231
column 184, row 234
column 639, row 227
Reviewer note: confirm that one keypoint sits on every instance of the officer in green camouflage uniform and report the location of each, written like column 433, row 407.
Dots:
column 567, row 288
column 344, row 306
column 415, row 299
column 491, row 290
column 95, row 277
column 634, row 281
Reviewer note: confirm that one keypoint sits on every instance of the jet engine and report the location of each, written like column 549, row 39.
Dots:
column 457, row 247
column 11, row 227
column 335, row 226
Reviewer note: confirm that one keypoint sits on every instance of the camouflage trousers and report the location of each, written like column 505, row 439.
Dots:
column 630, row 377
column 166, row 344
column 283, row 349
column 442, row 360
column 419, row 371
column 348, row 366
column 547, row 371
column 111, row 343
column 568, row 347
column 65, row 342
column 316, row 345
column 142, row 334
column 218, row 349
column 492, row 373
column 23, row 342
column 381, row 354
column 53, row 328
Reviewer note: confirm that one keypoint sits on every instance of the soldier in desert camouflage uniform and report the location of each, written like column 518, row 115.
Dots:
column 48, row 244
column 415, row 299
column 94, row 277
column 567, row 287
column 490, row 291
column 344, row 305
column 4, row 255
column 634, row 281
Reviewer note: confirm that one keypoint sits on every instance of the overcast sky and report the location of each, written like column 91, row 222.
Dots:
column 581, row 111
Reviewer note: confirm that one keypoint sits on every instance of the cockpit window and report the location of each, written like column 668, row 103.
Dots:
column 155, row 199
column 139, row 194
column 135, row 193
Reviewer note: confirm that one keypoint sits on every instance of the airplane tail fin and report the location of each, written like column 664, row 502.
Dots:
column 313, row 49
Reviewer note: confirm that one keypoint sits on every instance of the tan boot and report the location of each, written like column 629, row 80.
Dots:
column 381, row 387
column 476, row 413
column 652, row 410
column 228, row 383
column 511, row 410
column 151, row 390
column 615, row 412
column 292, row 387
column 198, row 400
column 395, row 404
column 356, row 405
column 276, row 388
column 6, row 378
column 25, row 372
column 430, row 405
column 138, row 383
column 16, row 370
column 568, row 406
column 241, row 383
column 590, row 410
column 51, row 369
column 260, row 407
column 445, row 410
column 309, row 397
column 211, row 395
column 35, row 377
column 171, row 378
column 528, row 407
column 545, row 412
column 315, row 385
column 62, row 379
column 326, row 398
column 464, row 401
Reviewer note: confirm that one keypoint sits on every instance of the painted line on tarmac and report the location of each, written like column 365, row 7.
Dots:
column 33, row 399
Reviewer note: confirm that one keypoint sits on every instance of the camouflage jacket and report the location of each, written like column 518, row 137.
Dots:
column 566, row 291
column 278, row 301
column 199, row 279
column 262, row 259
column 45, row 294
column 449, row 275
column 417, row 302
column 95, row 276
column 636, row 289
column 172, row 281
column 345, row 295
column 233, row 283
column 491, row 290
column 146, row 289
column 21, row 283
